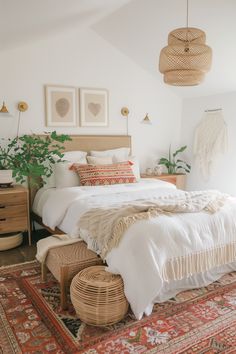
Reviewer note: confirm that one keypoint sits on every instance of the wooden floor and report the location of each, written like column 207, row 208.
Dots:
column 24, row 252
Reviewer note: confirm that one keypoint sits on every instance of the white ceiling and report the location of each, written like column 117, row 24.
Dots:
column 25, row 20
column 138, row 28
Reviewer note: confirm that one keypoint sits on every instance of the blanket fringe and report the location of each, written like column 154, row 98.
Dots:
column 185, row 266
column 107, row 226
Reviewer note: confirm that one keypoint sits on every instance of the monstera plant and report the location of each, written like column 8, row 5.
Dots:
column 173, row 164
column 31, row 157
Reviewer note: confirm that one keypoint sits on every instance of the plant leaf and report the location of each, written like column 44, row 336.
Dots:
column 180, row 150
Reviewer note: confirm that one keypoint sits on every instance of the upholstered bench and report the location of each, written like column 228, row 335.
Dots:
column 64, row 262
column 98, row 296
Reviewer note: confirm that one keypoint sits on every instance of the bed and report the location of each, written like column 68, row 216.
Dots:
column 207, row 241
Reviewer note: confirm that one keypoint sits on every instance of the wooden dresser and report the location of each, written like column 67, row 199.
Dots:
column 14, row 210
column 179, row 180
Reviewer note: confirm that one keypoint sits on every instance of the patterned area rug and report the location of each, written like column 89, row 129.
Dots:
column 195, row 321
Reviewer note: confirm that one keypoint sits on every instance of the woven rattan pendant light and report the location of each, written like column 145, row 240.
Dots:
column 186, row 59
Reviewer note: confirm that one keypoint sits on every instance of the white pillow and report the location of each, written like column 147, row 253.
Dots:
column 135, row 166
column 119, row 154
column 106, row 160
column 64, row 177
column 50, row 181
column 72, row 156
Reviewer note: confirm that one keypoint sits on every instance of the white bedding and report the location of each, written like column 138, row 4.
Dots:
column 56, row 206
column 147, row 243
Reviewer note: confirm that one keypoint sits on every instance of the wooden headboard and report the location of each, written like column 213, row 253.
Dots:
column 97, row 142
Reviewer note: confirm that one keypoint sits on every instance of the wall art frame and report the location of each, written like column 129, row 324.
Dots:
column 61, row 106
column 93, row 107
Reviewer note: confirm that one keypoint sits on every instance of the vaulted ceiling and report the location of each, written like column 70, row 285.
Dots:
column 25, row 20
column 138, row 28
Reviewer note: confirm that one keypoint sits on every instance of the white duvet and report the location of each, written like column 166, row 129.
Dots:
column 147, row 244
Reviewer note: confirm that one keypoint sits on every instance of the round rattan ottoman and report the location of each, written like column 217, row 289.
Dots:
column 98, row 296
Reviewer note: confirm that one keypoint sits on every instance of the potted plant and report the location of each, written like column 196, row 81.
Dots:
column 173, row 164
column 5, row 168
column 31, row 157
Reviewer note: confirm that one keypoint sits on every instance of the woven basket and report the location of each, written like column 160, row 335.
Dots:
column 190, row 34
column 186, row 59
column 98, row 296
column 183, row 77
column 11, row 240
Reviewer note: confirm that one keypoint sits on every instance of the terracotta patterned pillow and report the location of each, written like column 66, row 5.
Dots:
column 97, row 175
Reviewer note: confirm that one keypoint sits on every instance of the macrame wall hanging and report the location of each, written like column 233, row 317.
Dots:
column 211, row 139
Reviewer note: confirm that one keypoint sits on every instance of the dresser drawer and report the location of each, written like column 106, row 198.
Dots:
column 12, row 211
column 13, row 224
column 13, row 199
column 170, row 179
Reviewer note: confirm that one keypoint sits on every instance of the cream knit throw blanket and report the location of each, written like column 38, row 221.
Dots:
column 106, row 226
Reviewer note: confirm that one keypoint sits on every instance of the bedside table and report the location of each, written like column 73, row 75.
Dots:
column 14, row 210
column 178, row 180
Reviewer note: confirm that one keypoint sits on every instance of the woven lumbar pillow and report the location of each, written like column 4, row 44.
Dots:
column 96, row 175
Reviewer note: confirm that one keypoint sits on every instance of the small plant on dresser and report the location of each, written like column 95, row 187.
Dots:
column 173, row 164
column 31, row 157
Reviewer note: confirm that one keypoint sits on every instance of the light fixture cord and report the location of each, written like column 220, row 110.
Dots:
column 187, row 32
column 187, row 15
column 18, row 125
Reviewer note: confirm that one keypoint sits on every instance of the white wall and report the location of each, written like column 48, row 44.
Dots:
column 224, row 171
column 83, row 59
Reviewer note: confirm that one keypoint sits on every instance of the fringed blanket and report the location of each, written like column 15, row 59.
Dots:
column 106, row 228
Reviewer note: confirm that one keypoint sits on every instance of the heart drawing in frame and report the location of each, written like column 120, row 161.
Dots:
column 94, row 108
column 62, row 107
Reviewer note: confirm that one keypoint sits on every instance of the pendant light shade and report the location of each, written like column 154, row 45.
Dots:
column 186, row 59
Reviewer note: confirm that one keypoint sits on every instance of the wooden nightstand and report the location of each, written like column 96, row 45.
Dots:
column 14, row 210
column 179, row 180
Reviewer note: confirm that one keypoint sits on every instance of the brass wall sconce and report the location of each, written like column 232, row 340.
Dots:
column 146, row 120
column 4, row 108
column 125, row 113
column 22, row 107
column 4, row 112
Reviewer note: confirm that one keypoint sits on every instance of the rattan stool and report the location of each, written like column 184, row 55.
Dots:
column 98, row 296
column 65, row 262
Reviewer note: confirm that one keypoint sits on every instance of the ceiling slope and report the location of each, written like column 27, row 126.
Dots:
column 26, row 20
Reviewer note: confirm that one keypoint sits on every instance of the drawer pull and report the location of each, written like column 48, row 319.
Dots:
column 2, row 206
column 3, row 219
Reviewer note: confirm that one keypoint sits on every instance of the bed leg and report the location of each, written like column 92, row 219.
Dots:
column 63, row 288
column 44, row 271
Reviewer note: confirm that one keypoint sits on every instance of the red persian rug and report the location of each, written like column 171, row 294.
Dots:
column 195, row 321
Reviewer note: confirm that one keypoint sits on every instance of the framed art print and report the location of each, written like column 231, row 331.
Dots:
column 61, row 109
column 93, row 107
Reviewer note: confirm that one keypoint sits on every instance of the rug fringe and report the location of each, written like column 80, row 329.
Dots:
column 19, row 264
